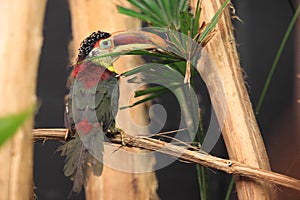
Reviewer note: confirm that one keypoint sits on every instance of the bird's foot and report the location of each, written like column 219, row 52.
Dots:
column 116, row 131
column 122, row 134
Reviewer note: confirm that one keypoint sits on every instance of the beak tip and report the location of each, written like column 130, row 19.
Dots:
column 141, row 39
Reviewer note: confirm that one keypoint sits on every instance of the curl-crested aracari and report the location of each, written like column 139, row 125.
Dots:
column 92, row 102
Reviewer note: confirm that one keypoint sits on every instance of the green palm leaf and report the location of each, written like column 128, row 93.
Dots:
column 10, row 124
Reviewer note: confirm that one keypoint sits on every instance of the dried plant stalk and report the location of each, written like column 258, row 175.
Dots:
column 20, row 44
column 207, row 160
column 232, row 105
column 89, row 16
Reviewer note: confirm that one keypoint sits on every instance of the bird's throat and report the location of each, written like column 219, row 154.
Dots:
column 89, row 74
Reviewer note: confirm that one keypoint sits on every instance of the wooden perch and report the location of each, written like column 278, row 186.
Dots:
column 207, row 160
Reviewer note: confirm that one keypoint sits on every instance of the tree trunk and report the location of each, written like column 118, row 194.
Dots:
column 20, row 44
column 231, row 103
column 116, row 181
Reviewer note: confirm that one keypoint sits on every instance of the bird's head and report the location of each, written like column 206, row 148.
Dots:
column 100, row 43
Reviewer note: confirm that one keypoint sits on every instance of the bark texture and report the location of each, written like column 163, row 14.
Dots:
column 117, row 181
column 231, row 103
column 20, row 44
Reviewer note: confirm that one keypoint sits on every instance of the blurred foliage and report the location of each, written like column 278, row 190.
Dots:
column 10, row 124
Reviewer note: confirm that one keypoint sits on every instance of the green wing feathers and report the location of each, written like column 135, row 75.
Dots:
column 91, row 107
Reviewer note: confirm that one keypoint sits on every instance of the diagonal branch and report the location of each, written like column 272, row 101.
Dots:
column 228, row 166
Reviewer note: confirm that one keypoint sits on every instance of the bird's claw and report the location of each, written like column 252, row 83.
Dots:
column 116, row 131
column 122, row 138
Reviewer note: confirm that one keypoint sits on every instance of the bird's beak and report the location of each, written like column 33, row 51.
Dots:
column 136, row 40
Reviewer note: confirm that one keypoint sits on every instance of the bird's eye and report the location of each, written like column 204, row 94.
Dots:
column 105, row 44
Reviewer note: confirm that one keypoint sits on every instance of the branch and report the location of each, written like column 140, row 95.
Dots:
column 228, row 166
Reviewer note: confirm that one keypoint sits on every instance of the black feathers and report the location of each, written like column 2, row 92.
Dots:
column 88, row 44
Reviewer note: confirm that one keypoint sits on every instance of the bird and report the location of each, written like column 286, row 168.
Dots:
column 91, row 104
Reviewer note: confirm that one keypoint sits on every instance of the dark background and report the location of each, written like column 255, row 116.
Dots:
column 258, row 38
